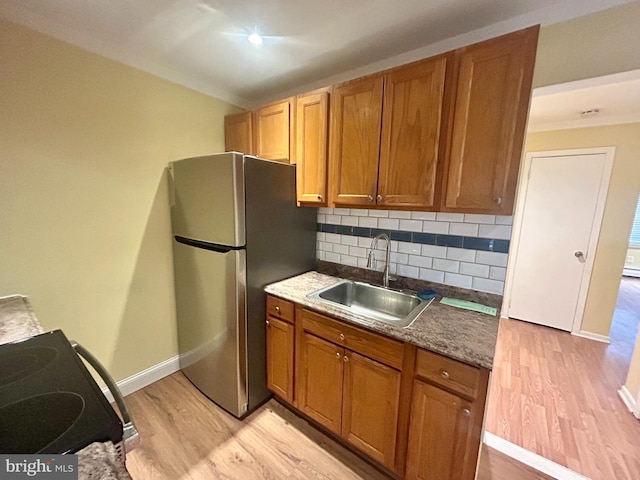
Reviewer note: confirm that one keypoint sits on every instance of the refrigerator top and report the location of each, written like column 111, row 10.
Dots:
column 208, row 199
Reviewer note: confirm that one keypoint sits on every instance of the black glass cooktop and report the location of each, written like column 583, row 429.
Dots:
column 49, row 402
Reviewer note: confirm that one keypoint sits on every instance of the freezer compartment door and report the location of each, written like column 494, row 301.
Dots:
column 207, row 198
column 211, row 310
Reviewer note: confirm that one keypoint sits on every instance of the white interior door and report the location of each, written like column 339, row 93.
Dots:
column 560, row 219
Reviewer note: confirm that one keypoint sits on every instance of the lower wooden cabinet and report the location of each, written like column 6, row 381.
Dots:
column 349, row 380
column 280, row 338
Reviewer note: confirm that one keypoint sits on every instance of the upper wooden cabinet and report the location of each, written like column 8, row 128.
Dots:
column 411, row 150
column 492, row 102
column 356, row 113
column 312, row 136
column 273, row 131
column 238, row 136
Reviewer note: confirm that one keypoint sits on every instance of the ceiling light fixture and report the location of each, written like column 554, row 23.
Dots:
column 255, row 39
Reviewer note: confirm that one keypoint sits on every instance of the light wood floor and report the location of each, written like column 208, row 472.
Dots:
column 556, row 394
column 186, row 436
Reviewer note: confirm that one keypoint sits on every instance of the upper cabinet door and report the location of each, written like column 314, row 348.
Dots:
column 412, row 146
column 356, row 114
column 312, row 136
column 273, row 131
column 492, row 102
column 238, row 134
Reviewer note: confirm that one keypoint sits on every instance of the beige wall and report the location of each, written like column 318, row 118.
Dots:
column 592, row 46
column 634, row 253
column 618, row 213
column 84, row 142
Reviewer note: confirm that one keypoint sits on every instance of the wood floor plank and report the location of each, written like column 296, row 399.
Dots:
column 569, row 385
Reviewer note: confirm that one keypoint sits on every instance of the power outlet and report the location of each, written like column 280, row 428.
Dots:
column 631, row 259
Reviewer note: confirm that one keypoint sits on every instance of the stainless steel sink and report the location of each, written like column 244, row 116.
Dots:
column 378, row 303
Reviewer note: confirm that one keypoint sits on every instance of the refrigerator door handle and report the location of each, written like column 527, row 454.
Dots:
column 206, row 245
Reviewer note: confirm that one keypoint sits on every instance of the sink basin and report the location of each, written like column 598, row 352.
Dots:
column 378, row 303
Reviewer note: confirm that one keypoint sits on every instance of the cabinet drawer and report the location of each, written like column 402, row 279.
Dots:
column 448, row 373
column 370, row 344
column 280, row 308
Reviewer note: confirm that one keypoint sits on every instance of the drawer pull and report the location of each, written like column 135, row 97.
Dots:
column 267, row 322
column 345, row 358
column 342, row 336
column 466, row 412
column 444, row 374
column 338, row 355
column 277, row 309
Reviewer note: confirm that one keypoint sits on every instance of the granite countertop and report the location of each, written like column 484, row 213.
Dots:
column 464, row 335
column 18, row 321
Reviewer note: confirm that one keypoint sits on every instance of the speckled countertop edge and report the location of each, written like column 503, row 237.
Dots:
column 17, row 319
column 460, row 334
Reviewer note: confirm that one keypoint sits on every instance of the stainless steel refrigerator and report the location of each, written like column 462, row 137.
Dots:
column 236, row 228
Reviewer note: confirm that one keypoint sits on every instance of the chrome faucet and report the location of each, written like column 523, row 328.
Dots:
column 371, row 259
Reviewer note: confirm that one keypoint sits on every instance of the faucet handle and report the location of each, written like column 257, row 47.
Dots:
column 371, row 259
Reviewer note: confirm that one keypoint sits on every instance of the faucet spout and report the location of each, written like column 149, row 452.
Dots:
column 371, row 260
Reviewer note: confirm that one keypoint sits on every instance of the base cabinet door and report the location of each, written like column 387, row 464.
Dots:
column 370, row 411
column 280, row 338
column 440, row 435
column 320, row 381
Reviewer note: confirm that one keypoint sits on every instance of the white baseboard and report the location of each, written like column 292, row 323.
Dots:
column 629, row 401
column 534, row 460
column 592, row 336
column 145, row 377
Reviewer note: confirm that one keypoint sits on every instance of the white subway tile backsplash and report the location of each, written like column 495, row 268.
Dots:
column 325, row 210
column 342, row 249
column 399, row 214
column 411, row 225
column 495, row 231
column 325, row 247
column 389, row 223
column 420, row 261
column 332, row 237
column 332, row 257
column 348, row 240
column 320, row 236
column 364, row 242
column 423, row 215
column 498, row 273
column 435, row 251
column 333, row 219
column 348, row 260
column 362, row 262
column 410, row 248
column 322, row 218
column 341, row 211
column 504, row 220
column 320, row 255
column 349, row 220
column 359, row 212
column 407, row 271
column 369, row 222
column 463, row 229
column 358, row 252
column 393, row 269
column 486, row 285
column 400, row 258
column 461, row 254
column 474, row 269
column 457, row 280
column 450, row 217
column 379, row 213
column 446, row 265
column 475, row 218
column 431, row 275
column 492, row 258
column 435, row 227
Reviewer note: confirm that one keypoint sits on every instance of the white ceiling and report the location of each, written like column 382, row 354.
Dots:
column 202, row 43
column 616, row 97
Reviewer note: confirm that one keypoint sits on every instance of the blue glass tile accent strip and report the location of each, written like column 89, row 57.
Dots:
column 458, row 241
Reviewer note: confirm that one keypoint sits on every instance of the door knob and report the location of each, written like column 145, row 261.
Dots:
column 579, row 255
column 379, row 198
column 370, row 198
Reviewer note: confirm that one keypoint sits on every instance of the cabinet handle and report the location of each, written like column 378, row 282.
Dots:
column 444, row 374
column 466, row 412
column 277, row 309
column 267, row 322
column 346, row 359
column 342, row 336
column 379, row 198
column 338, row 355
column 498, row 200
column 369, row 198
column 320, row 197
